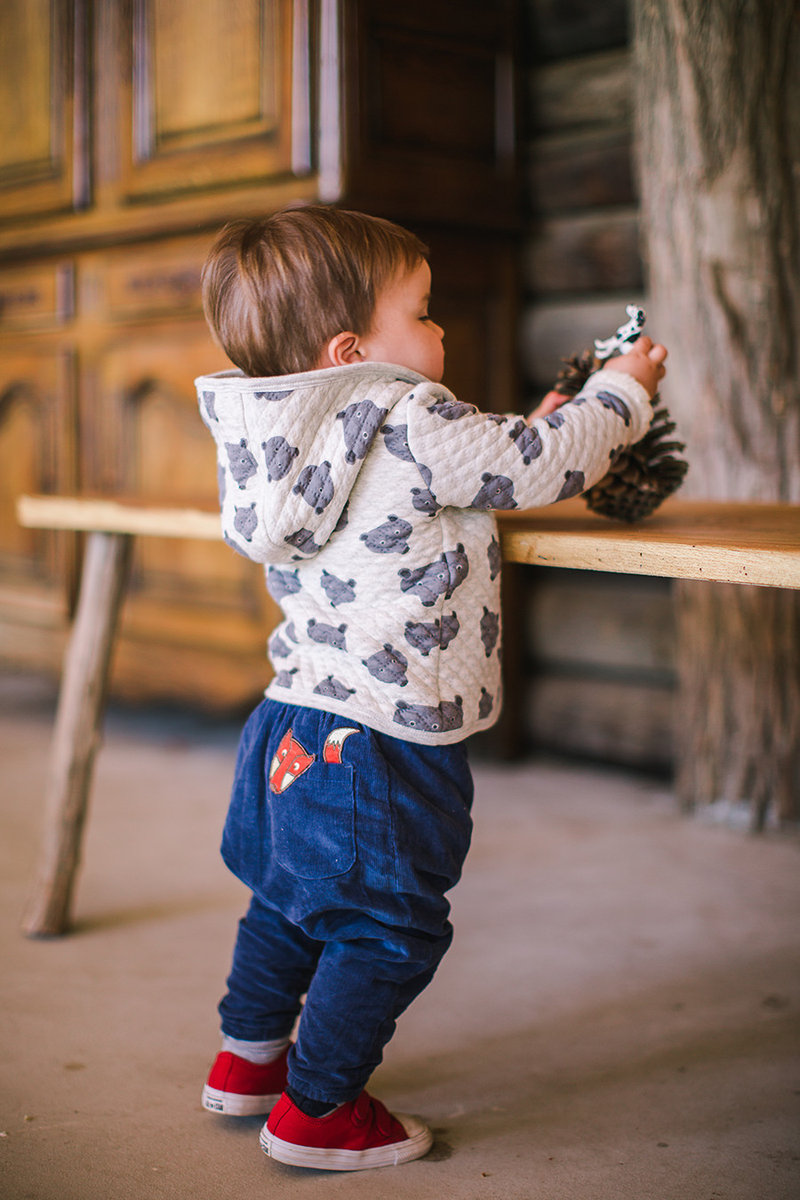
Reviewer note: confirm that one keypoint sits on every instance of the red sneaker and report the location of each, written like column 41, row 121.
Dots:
column 239, row 1088
column 357, row 1135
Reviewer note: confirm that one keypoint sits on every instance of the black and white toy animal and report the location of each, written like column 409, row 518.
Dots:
column 627, row 333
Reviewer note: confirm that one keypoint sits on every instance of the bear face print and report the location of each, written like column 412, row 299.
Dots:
column 344, row 518
column 450, row 628
column 485, row 704
column 424, row 636
column 425, row 501
column 337, row 591
column 282, row 583
column 333, row 688
column 452, row 410
column 490, row 630
column 241, row 463
column 222, row 486
column 360, row 423
column 291, row 634
column 497, row 492
column 395, row 439
column 278, row 647
column 245, row 521
column 279, row 456
column 284, row 678
column 555, row 419
column 327, row 635
column 435, row 579
column 616, row 404
column 495, row 558
column 573, row 485
column 426, row 583
column 272, row 397
column 209, row 399
column 426, row 474
column 388, row 665
column 303, row 540
column 388, row 538
column 315, row 486
column 448, row 714
column 527, row 441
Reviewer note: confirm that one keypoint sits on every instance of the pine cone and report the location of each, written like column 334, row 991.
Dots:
column 573, row 376
column 641, row 476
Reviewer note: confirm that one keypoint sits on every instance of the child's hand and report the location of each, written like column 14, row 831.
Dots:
column 550, row 403
column 644, row 361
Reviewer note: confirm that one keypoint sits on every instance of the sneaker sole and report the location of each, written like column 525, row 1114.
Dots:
column 232, row 1104
column 328, row 1159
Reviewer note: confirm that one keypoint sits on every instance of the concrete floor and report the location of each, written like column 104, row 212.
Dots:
column 617, row 1017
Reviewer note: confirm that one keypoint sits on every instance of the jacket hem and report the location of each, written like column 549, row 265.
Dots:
column 346, row 710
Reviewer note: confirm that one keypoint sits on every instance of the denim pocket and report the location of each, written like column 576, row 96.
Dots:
column 313, row 823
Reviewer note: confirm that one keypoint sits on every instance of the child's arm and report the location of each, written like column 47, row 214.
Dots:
column 644, row 361
column 483, row 461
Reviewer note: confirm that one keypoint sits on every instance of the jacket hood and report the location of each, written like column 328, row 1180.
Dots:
column 290, row 449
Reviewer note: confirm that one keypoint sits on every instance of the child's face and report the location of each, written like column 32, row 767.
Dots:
column 401, row 331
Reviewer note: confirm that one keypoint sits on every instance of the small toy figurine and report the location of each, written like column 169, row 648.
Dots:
column 605, row 347
column 640, row 476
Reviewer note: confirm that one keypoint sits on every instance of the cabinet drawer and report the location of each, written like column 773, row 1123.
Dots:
column 154, row 280
column 39, row 297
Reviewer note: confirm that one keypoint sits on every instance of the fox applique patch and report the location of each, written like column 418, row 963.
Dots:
column 291, row 760
column 332, row 750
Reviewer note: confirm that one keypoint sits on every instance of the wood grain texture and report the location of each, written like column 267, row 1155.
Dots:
column 585, row 252
column 77, row 731
column 735, row 543
column 112, row 516
column 732, row 543
column 607, row 719
column 566, row 27
column 594, row 89
column 716, row 89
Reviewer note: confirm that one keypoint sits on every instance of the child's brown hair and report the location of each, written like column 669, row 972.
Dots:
column 276, row 289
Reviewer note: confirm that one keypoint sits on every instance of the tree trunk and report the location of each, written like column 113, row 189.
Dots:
column 718, row 135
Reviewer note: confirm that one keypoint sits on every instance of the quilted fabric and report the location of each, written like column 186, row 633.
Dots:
column 368, row 492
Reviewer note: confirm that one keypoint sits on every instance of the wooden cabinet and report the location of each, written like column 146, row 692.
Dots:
column 43, row 107
column 130, row 130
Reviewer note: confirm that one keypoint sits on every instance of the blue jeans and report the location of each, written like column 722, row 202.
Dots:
column 348, row 839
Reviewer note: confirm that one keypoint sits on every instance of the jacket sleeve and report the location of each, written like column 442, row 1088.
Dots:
column 480, row 460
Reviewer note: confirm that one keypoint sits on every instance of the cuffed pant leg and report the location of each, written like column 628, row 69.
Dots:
column 273, row 963
column 359, row 990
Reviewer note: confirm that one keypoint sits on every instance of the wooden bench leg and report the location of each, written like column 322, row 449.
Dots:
column 77, row 730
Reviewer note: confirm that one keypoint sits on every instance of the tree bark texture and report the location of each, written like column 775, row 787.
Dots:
column 718, row 139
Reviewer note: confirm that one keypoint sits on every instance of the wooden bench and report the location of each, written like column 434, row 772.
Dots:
column 723, row 542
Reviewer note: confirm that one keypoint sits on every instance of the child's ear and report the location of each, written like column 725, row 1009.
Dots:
column 342, row 350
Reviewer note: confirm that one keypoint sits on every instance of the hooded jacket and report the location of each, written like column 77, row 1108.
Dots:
column 368, row 493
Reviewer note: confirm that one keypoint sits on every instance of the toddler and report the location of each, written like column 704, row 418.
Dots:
column 367, row 490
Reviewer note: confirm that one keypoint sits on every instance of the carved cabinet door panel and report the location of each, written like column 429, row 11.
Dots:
column 197, row 614
column 43, row 125
column 37, row 455
column 214, row 93
column 428, row 112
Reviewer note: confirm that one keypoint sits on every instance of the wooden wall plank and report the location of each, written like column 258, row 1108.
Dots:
column 600, row 718
column 594, row 89
column 601, row 622
column 584, row 252
column 579, row 171
column 563, row 27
